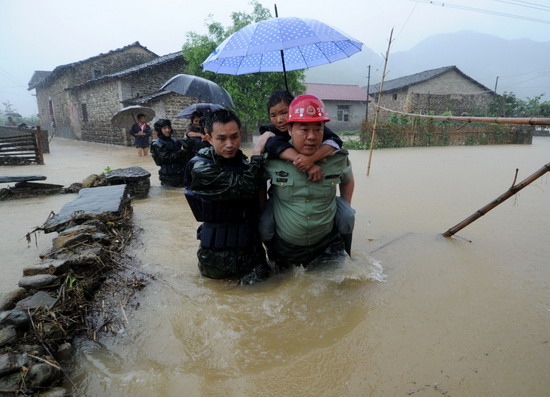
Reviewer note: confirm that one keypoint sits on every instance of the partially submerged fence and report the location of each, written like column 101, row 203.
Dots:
column 21, row 146
column 429, row 133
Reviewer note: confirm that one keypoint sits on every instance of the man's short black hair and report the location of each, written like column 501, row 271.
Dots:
column 140, row 115
column 222, row 116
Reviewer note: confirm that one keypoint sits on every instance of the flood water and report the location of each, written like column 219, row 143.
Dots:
column 412, row 314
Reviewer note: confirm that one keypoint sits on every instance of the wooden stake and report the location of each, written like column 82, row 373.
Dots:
column 40, row 147
column 378, row 103
column 499, row 200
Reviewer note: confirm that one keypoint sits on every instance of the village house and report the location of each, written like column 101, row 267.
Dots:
column 345, row 104
column 78, row 100
column 435, row 91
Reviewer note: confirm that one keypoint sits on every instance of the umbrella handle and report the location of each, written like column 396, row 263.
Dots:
column 282, row 54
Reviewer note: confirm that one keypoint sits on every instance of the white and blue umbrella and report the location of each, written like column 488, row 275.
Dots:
column 280, row 44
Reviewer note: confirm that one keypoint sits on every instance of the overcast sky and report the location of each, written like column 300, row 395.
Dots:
column 43, row 34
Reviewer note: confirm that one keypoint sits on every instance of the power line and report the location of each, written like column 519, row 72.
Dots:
column 483, row 11
column 543, row 71
column 527, row 5
column 9, row 76
column 530, row 3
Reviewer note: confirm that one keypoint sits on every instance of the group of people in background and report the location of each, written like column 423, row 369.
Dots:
column 169, row 153
column 282, row 201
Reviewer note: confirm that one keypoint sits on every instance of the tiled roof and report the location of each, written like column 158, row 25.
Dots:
column 60, row 69
column 413, row 79
column 133, row 69
column 336, row 92
column 37, row 77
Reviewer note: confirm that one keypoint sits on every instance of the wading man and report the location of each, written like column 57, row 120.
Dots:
column 222, row 189
column 304, row 211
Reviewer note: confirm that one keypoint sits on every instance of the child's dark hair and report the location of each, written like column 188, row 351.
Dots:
column 223, row 116
column 279, row 96
column 196, row 113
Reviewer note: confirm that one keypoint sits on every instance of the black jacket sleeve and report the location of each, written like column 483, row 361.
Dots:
column 329, row 134
column 168, row 154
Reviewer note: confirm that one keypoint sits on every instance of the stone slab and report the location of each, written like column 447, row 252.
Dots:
column 48, row 266
column 90, row 203
column 22, row 178
column 17, row 318
column 11, row 362
column 7, row 335
column 123, row 175
column 39, row 281
column 40, row 299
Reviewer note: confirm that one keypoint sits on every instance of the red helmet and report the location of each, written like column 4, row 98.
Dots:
column 306, row 109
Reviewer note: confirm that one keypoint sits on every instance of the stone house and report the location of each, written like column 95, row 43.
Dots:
column 77, row 100
column 345, row 104
column 435, row 91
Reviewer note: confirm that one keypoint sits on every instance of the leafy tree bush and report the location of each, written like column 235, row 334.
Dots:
column 508, row 105
column 249, row 92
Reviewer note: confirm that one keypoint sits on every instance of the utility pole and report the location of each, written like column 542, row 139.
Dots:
column 368, row 88
column 496, row 84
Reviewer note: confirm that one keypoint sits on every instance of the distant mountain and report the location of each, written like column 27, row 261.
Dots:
column 522, row 66
column 353, row 70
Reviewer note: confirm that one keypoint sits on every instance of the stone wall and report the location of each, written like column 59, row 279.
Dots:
column 66, row 117
column 105, row 98
column 168, row 107
column 150, row 80
column 61, row 108
column 356, row 115
column 101, row 102
column 456, row 104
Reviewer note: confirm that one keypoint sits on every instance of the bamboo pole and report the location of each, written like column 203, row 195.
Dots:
column 379, row 98
column 499, row 200
column 469, row 119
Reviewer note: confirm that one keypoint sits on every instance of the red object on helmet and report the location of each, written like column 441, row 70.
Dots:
column 306, row 109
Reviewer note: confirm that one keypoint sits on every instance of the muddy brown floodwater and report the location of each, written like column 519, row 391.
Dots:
column 412, row 314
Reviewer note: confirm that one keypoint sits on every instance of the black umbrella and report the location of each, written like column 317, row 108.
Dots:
column 127, row 116
column 198, row 107
column 197, row 87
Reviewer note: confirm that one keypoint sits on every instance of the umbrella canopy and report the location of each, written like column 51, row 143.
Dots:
column 198, row 87
column 280, row 44
column 128, row 115
column 198, row 107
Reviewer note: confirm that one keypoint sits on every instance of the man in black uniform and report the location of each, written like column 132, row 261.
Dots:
column 222, row 189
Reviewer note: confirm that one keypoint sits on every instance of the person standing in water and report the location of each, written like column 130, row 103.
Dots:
column 170, row 154
column 141, row 132
column 304, row 211
column 222, row 189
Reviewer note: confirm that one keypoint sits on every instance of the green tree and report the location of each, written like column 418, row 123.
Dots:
column 249, row 92
column 508, row 105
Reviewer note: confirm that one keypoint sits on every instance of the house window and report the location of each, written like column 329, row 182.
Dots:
column 342, row 113
column 84, row 113
column 395, row 97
